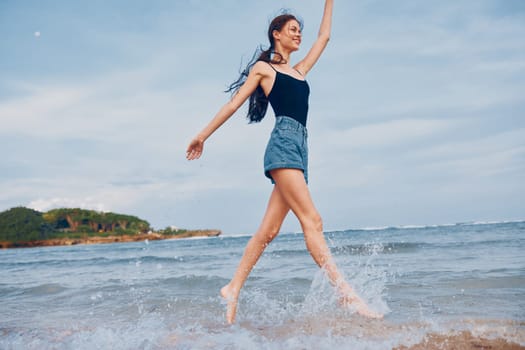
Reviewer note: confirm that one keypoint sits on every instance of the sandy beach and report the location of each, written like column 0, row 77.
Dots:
column 462, row 341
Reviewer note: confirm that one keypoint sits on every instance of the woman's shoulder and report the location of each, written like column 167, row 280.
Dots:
column 263, row 68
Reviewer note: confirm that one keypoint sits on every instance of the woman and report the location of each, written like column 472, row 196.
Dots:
column 272, row 79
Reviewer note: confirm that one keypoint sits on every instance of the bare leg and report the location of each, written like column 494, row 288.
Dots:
column 293, row 188
column 270, row 226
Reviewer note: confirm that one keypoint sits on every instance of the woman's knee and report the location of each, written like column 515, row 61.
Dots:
column 271, row 234
column 313, row 223
column 266, row 235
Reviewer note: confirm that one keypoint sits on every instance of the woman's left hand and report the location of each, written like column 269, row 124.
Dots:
column 195, row 148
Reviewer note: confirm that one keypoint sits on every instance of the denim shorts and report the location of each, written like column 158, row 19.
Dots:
column 287, row 147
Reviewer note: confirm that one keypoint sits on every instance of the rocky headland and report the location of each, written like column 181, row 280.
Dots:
column 25, row 228
column 153, row 236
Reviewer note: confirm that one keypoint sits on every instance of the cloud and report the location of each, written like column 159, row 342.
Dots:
column 494, row 155
column 52, row 203
column 409, row 100
column 388, row 134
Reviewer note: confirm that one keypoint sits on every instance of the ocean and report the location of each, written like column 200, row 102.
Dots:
column 437, row 286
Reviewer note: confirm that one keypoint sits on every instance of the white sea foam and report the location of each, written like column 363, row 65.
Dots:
column 408, row 226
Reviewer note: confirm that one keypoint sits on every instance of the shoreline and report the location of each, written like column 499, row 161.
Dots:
column 464, row 340
column 153, row 236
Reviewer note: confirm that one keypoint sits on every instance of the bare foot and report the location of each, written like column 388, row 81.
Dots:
column 231, row 302
column 349, row 298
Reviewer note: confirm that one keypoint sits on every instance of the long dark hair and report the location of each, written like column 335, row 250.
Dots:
column 258, row 103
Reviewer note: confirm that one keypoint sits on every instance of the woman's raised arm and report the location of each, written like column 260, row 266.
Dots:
column 319, row 45
column 196, row 145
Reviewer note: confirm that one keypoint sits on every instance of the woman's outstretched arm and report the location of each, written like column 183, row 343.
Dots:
column 195, row 148
column 319, row 45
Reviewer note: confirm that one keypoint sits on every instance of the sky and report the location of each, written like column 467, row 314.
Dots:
column 417, row 111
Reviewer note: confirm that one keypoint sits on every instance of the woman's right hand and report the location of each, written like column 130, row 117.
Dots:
column 195, row 148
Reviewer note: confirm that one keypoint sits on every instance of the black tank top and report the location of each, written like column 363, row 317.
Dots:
column 289, row 97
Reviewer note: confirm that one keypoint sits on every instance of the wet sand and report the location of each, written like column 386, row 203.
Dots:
column 462, row 341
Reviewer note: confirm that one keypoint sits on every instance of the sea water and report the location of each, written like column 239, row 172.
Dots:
column 165, row 294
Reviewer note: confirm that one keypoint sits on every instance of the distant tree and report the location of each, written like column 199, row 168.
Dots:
column 23, row 224
column 77, row 219
column 171, row 231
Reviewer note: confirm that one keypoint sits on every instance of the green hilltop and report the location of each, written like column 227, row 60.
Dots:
column 22, row 224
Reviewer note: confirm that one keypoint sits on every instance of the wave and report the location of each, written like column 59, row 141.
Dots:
column 288, row 252
column 494, row 222
column 44, row 289
column 248, row 235
column 102, row 261
column 57, row 262
column 393, row 228
column 486, row 283
column 410, row 227
column 374, row 248
column 358, row 249
column 379, row 248
column 191, row 238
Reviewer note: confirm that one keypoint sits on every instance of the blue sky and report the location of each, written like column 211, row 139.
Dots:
column 417, row 111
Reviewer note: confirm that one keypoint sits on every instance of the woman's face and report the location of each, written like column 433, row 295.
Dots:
column 290, row 35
